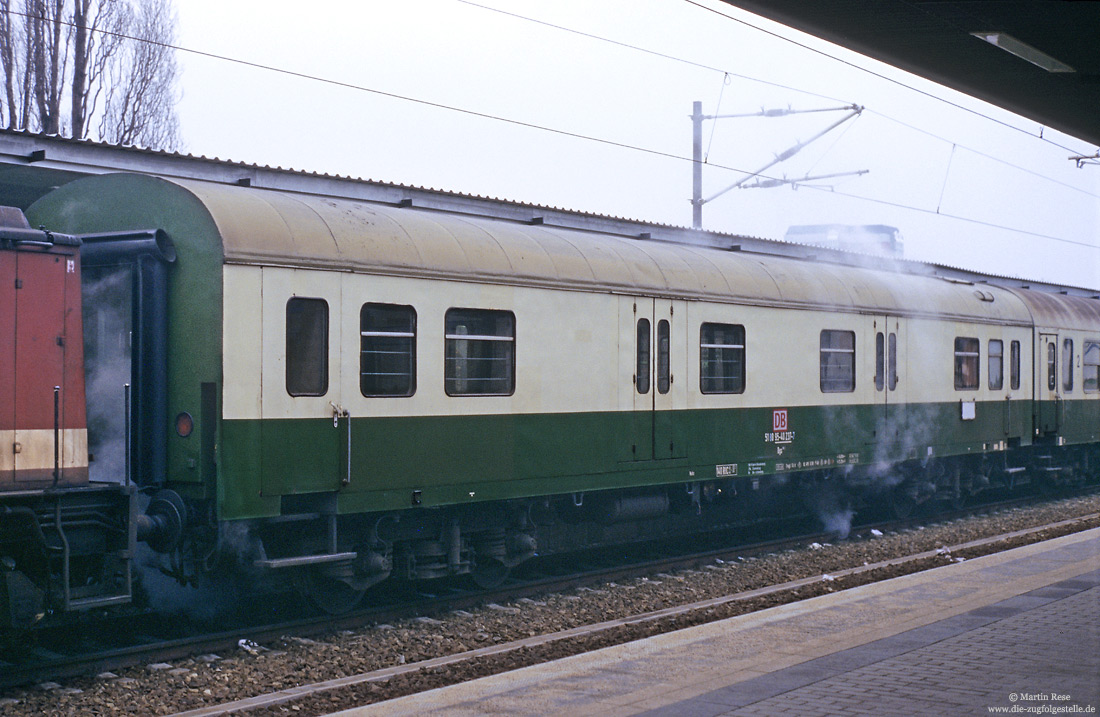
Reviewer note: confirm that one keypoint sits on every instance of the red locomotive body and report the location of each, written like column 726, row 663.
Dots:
column 67, row 542
column 43, row 428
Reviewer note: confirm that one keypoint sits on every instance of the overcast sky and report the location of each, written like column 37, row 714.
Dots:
column 973, row 187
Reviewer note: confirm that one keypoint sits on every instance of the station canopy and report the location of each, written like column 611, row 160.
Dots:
column 1037, row 58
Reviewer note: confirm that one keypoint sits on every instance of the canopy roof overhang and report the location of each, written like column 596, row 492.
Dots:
column 939, row 40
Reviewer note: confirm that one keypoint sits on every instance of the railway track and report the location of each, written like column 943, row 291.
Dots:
column 622, row 630
column 52, row 665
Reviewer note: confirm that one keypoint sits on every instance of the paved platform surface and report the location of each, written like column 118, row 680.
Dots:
column 1017, row 632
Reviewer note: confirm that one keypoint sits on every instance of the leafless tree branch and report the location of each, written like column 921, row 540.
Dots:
column 111, row 58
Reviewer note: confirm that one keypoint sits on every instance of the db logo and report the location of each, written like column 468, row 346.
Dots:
column 779, row 420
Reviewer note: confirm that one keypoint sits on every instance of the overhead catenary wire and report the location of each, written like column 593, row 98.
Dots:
column 530, row 125
column 645, row 50
column 946, row 176
column 958, row 217
column 879, row 75
column 714, row 126
column 383, row 93
column 834, row 143
column 759, row 80
column 984, row 155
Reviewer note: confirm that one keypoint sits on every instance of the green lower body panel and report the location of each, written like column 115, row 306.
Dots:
column 396, row 463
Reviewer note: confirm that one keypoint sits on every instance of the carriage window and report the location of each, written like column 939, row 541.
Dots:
column 1090, row 381
column 1014, row 366
column 893, row 373
column 880, row 362
column 967, row 366
column 838, row 361
column 307, row 347
column 641, row 375
column 480, row 353
column 1067, row 365
column 996, row 364
column 664, row 357
column 387, row 350
column 722, row 358
column 1052, row 366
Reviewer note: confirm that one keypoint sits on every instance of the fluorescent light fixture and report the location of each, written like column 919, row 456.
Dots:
column 1023, row 50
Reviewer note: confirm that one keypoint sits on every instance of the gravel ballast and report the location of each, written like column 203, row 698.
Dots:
column 208, row 680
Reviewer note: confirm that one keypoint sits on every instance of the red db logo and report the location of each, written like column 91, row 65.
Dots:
column 779, row 420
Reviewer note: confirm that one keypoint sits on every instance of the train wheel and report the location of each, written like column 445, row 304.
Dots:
column 489, row 573
column 324, row 592
column 903, row 503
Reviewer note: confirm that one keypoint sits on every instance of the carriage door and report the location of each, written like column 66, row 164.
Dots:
column 304, row 430
column 669, row 377
column 890, row 398
column 653, row 331
column 1046, row 385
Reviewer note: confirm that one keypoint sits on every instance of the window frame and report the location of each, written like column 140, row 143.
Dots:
column 478, row 339
column 892, row 362
column 366, row 334
column 294, row 362
column 643, row 355
column 1052, row 365
column 1067, row 365
column 1014, row 366
column 880, row 361
column 1085, row 364
column 968, row 357
column 825, row 365
column 999, row 374
column 717, row 358
column 664, row 356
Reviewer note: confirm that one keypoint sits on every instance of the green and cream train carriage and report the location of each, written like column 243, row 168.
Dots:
column 374, row 388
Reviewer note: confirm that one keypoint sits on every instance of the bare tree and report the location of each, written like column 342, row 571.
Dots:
column 16, row 51
column 99, row 31
column 51, row 44
column 8, row 42
column 141, row 91
column 112, row 59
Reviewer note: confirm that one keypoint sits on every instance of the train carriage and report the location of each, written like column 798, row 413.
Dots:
column 372, row 389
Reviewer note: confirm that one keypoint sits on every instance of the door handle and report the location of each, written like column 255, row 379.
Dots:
column 339, row 412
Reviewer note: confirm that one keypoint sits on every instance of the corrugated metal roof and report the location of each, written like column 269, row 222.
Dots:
column 268, row 227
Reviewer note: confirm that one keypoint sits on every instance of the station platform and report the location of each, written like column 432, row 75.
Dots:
column 1016, row 632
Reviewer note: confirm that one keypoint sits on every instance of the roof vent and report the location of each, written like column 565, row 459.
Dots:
column 983, row 295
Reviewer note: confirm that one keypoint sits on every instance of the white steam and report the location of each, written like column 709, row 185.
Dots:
column 107, row 349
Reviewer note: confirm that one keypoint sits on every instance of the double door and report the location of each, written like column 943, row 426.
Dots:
column 890, row 388
column 653, row 347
